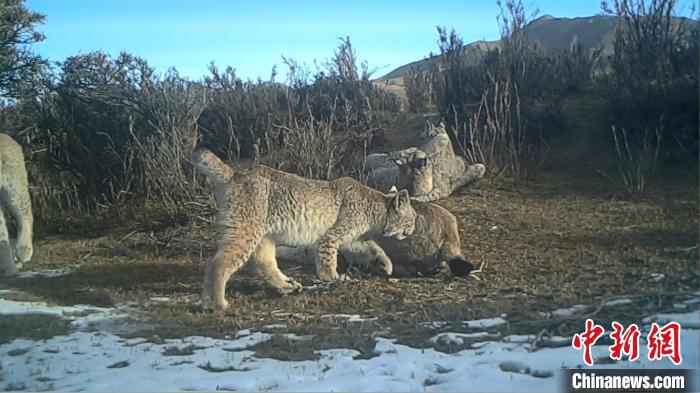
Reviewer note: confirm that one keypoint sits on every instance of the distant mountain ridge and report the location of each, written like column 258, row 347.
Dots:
column 548, row 32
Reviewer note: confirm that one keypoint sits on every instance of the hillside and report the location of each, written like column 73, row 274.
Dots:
column 549, row 32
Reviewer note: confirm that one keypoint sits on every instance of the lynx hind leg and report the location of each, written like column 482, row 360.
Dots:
column 7, row 263
column 14, row 195
column 327, row 256
column 241, row 234
column 368, row 253
column 265, row 264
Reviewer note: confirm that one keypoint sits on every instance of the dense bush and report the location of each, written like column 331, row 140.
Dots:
column 19, row 66
column 418, row 86
column 102, row 131
column 106, row 131
column 502, row 102
column 292, row 125
column 652, row 88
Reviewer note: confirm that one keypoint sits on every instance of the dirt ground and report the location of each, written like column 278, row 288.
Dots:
column 566, row 236
column 562, row 238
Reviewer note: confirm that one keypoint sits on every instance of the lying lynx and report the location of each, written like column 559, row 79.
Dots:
column 260, row 208
column 14, row 196
column 410, row 170
column 434, row 242
column 431, row 172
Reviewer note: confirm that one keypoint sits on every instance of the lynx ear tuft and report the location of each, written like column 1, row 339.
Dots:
column 403, row 199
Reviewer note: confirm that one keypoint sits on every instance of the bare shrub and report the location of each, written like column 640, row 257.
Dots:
column 311, row 149
column 652, row 88
column 119, row 133
column 110, row 132
column 237, row 113
column 500, row 102
column 418, row 90
column 574, row 68
column 637, row 164
column 162, row 157
column 332, row 116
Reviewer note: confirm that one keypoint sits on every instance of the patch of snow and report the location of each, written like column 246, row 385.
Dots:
column 434, row 324
column 458, row 338
column 686, row 320
column 570, row 312
column 159, row 299
column 102, row 361
column 14, row 307
column 495, row 366
column 617, row 302
column 294, row 337
column 351, row 317
column 656, row 277
column 484, row 323
column 519, row 338
column 275, row 326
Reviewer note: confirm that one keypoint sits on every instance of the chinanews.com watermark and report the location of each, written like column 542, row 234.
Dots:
column 662, row 342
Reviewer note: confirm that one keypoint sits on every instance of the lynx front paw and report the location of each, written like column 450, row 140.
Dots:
column 289, row 286
column 24, row 253
column 210, row 304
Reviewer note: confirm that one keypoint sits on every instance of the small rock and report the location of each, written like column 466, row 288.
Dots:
column 121, row 364
column 493, row 229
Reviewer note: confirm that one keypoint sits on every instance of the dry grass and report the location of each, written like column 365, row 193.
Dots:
column 560, row 240
column 32, row 327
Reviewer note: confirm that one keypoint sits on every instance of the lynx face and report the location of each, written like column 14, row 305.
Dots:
column 431, row 131
column 400, row 217
column 420, row 170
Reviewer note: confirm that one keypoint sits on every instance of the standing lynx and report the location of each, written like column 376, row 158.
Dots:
column 435, row 241
column 14, row 198
column 261, row 207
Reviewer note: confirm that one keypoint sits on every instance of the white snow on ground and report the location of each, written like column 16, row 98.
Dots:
column 484, row 323
column 618, row 302
column 101, row 361
column 459, row 338
column 686, row 320
column 12, row 307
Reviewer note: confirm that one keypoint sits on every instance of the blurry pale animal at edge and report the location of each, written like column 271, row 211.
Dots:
column 260, row 207
column 15, row 199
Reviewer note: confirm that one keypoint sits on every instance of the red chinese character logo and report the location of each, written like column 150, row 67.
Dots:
column 627, row 342
column 586, row 339
column 665, row 342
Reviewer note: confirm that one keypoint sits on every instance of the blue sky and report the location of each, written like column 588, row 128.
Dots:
column 252, row 36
